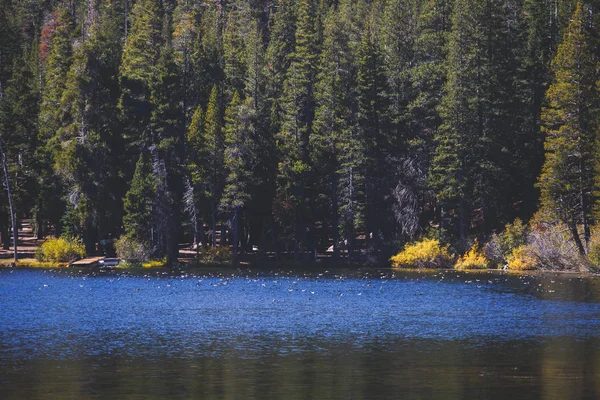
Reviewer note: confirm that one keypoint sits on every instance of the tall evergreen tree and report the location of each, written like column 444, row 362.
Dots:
column 372, row 120
column 281, row 45
column 334, row 142
column 462, row 120
column 570, row 122
column 212, row 158
column 196, row 191
column 137, row 71
column 298, row 113
column 138, row 203
column 88, row 146
column 56, row 57
column 237, row 165
column 207, row 55
column 167, row 138
column 262, row 154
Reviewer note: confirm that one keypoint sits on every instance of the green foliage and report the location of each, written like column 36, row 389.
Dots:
column 570, row 122
column 501, row 246
column 131, row 250
column 427, row 253
column 299, row 123
column 139, row 219
column 137, row 71
column 215, row 254
column 59, row 250
column 237, row 153
column 593, row 255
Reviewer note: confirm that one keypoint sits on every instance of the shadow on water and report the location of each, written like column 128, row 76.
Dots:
column 297, row 334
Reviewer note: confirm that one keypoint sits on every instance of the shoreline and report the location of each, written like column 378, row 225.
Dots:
column 28, row 263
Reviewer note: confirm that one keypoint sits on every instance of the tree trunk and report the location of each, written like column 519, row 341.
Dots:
column 235, row 234
column 463, row 219
column 10, row 203
column 5, row 237
column 335, row 222
column 214, row 226
column 576, row 238
column 197, row 234
column 223, row 241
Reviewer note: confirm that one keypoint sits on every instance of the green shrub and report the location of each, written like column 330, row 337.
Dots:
column 473, row 259
column 215, row 254
column 593, row 256
column 131, row 250
column 428, row 253
column 500, row 246
column 60, row 250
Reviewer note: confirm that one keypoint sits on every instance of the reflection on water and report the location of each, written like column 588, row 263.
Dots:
column 298, row 335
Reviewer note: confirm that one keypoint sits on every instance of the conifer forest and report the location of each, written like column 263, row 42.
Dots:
column 300, row 127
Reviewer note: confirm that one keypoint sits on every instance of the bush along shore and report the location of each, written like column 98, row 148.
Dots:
column 538, row 245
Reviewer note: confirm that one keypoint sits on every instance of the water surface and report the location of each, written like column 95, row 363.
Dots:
column 262, row 334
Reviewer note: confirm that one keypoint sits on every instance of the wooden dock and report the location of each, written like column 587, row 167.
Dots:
column 87, row 262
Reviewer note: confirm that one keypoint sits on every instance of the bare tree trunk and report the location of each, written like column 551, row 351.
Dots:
column 223, row 241
column 236, row 213
column 463, row 219
column 214, row 226
column 10, row 202
column 126, row 14
column 576, row 238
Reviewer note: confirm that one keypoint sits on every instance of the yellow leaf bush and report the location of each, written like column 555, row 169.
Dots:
column 60, row 250
column 473, row 259
column 521, row 260
column 428, row 253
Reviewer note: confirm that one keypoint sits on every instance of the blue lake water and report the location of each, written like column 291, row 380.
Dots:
column 262, row 334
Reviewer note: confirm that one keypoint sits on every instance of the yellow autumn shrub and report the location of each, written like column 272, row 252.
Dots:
column 521, row 260
column 428, row 253
column 473, row 259
column 61, row 250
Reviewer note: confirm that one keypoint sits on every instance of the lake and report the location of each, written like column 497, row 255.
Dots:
column 301, row 334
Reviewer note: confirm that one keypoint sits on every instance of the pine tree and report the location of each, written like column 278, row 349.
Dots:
column 372, row 120
column 18, row 141
column 398, row 35
column 237, row 164
column 262, row 154
column 207, row 55
column 57, row 62
column 413, row 204
column 138, row 204
column 234, row 53
column 570, row 122
column 56, row 57
column 8, row 42
column 167, row 138
column 136, row 73
column 537, row 49
column 462, row 120
column 185, row 34
column 19, row 130
column 87, row 144
column 277, row 60
column 334, row 142
column 298, row 113
column 195, row 193
column 213, row 147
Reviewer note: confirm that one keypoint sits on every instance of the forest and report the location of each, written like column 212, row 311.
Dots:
column 300, row 127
